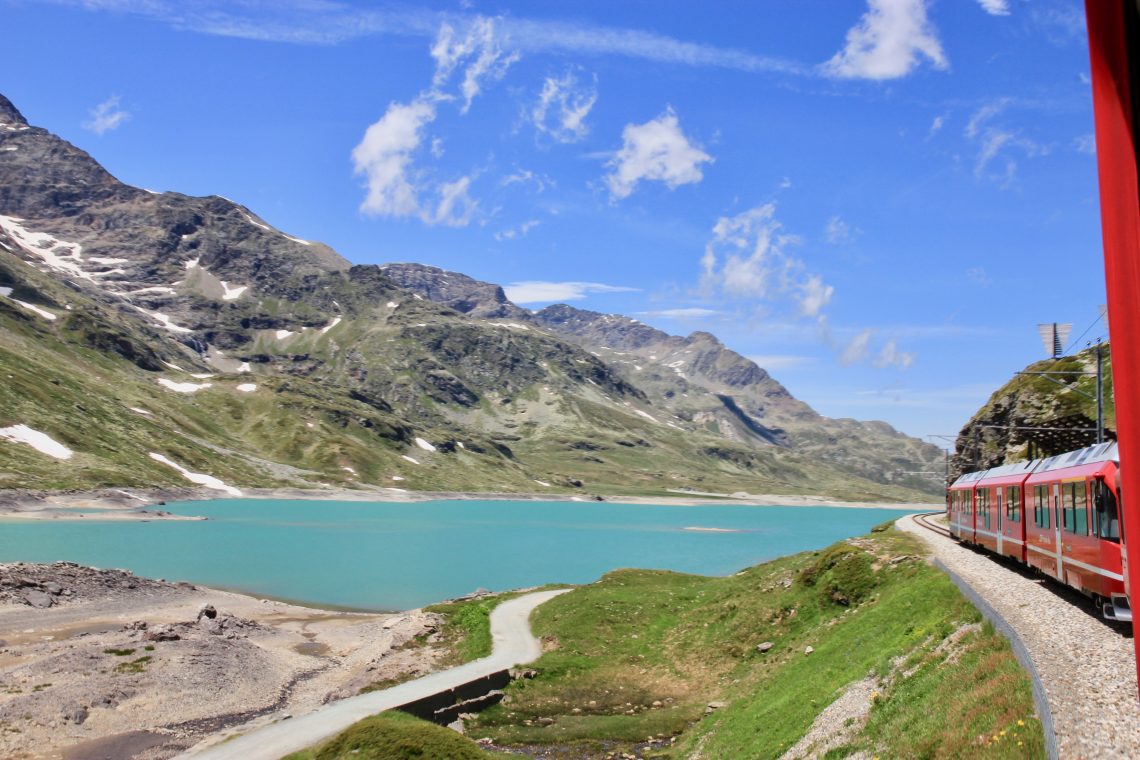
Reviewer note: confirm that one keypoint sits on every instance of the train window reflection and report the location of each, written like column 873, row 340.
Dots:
column 1107, row 513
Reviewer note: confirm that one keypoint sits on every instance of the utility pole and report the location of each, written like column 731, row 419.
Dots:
column 1099, row 393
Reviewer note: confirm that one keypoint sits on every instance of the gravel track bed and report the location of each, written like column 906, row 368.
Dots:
column 1087, row 667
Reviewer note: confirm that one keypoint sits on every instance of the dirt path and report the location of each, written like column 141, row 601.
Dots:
column 513, row 644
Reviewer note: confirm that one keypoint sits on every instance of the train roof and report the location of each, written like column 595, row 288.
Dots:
column 969, row 478
column 1102, row 452
column 1012, row 470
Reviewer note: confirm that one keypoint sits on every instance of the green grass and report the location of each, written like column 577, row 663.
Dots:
column 119, row 652
column 395, row 736
column 641, row 653
column 137, row 665
column 636, row 658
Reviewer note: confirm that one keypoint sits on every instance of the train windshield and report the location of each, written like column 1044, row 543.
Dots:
column 1107, row 512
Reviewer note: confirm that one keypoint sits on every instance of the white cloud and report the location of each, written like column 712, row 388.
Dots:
column 781, row 361
column 526, row 176
column 997, row 141
column 888, row 42
column 890, row 356
column 384, row 155
column 936, row 126
column 747, row 258
column 456, row 208
column 857, row 349
column 479, row 48
column 837, row 231
column 979, row 275
column 517, row 232
column 995, row 7
column 655, row 150
column 106, row 116
column 534, row 291
column 785, row 183
column 684, row 313
column 814, row 296
column 563, row 106
column 1085, row 143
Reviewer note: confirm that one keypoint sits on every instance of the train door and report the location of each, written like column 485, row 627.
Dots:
column 998, row 514
column 1055, row 492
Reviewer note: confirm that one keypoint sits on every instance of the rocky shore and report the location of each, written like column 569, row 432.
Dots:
column 102, row 663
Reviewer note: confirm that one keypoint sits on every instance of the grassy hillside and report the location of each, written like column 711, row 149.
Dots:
column 661, row 664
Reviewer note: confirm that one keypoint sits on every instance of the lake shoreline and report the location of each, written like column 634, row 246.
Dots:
column 186, row 661
column 131, row 504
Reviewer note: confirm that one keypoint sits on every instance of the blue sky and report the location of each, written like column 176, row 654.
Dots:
column 876, row 199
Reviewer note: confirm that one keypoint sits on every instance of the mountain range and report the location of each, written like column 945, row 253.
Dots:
column 157, row 338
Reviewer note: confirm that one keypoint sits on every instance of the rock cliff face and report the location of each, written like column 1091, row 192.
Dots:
column 1037, row 415
column 155, row 335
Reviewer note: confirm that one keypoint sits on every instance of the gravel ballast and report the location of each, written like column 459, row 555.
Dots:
column 1086, row 666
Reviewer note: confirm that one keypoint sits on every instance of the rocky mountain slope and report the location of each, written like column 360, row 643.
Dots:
column 156, row 338
column 699, row 381
column 1035, row 415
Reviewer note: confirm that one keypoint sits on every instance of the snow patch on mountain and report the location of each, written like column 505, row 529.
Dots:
column 41, row 442
column 209, row 481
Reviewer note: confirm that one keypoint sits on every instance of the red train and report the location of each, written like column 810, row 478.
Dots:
column 1059, row 515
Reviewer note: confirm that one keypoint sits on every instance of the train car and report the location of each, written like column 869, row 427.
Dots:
column 1074, row 532
column 1000, row 520
column 961, row 505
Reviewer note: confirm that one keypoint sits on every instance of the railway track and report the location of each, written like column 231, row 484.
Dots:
column 924, row 519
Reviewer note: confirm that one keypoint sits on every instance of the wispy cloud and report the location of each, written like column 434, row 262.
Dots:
column 106, row 116
column 748, row 258
column 890, row 356
column 539, row 291
column 562, row 107
column 527, row 177
column 477, row 49
column 682, row 313
column 857, row 348
column 325, row 22
column 837, row 231
column 386, row 153
column 1085, row 144
column 781, row 361
column 656, row 150
column 979, row 276
column 995, row 7
column 997, row 142
column 889, row 41
column 936, row 126
column 517, row 232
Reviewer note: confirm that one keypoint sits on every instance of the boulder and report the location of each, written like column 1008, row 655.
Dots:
column 207, row 611
column 37, row 599
column 809, row 650
column 764, row 647
column 53, row 588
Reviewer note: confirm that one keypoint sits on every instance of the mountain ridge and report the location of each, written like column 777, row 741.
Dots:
column 189, row 328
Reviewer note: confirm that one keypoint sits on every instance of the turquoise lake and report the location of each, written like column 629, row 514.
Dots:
column 393, row 556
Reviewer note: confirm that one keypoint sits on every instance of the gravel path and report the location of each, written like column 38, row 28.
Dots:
column 1087, row 667
column 513, row 644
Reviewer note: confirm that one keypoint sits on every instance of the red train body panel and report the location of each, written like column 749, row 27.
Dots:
column 1060, row 515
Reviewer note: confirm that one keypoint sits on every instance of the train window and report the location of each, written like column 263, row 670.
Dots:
column 1106, row 512
column 1041, row 506
column 1013, row 503
column 984, row 506
column 1080, row 510
column 1073, row 508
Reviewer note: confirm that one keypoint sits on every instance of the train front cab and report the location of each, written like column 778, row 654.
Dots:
column 1074, row 531
column 961, row 498
column 1001, row 509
